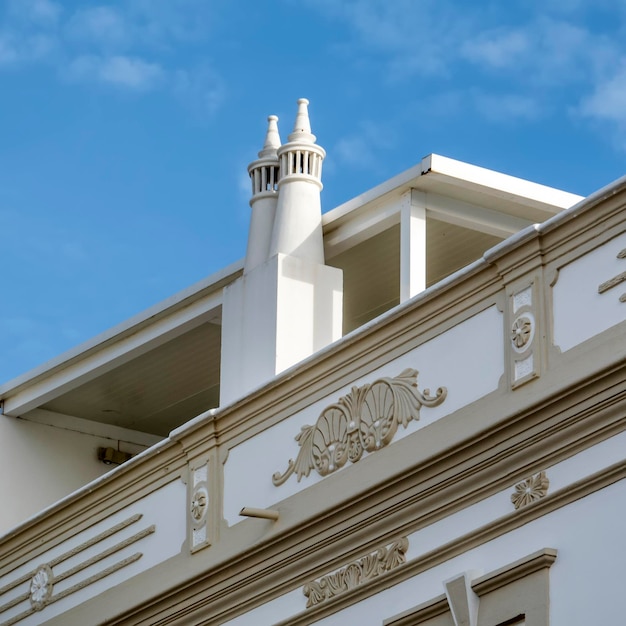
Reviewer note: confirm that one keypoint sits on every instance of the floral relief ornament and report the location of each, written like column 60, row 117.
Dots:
column 530, row 490
column 41, row 587
column 521, row 331
column 199, row 502
column 364, row 420
column 360, row 571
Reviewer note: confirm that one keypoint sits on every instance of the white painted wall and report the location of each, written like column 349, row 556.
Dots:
column 40, row 464
column 468, row 359
column 165, row 508
column 580, row 312
column 585, row 581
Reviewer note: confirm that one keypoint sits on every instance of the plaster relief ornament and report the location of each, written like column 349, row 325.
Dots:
column 199, row 503
column 41, row 587
column 365, row 420
column 530, row 490
column 521, row 331
column 360, row 571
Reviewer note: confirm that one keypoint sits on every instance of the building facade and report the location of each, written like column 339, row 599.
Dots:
column 408, row 410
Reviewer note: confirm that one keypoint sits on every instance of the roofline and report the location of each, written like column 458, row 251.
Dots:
column 460, row 173
column 201, row 420
column 170, row 305
column 488, row 258
column 456, row 172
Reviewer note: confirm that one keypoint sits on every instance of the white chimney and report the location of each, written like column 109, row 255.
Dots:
column 288, row 304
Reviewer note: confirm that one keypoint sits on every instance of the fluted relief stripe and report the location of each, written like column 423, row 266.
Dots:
column 54, row 579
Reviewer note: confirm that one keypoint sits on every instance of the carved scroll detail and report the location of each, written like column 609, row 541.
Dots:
column 364, row 420
column 529, row 490
column 360, row 571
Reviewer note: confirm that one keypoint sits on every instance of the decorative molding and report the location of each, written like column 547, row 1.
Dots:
column 198, row 506
column 616, row 280
column 41, row 585
column 365, row 420
column 465, row 543
column 41, row 581
column 535, row 562
column 530, row 490
column 523, row 330
column 493, row 581
column 356, row 573
column 524, row 367
column 523, row 298
column 199, row 503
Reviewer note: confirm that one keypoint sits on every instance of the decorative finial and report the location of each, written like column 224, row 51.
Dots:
column 302, row 127
column 272, row 138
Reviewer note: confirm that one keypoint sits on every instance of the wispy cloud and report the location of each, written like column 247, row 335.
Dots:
column 498, row 49
column 363, row 149
column 200, row 88
column 607, row 102
column 127, row 46
column 9, row 55
column 99, row 26
column 507, row 107
column 553, row 59
column 120, row 71
column 39, row 11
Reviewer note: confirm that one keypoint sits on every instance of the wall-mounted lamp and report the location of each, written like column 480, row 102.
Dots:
column 110, row 456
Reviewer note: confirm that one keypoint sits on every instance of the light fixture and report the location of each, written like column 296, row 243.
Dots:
column 110, row 456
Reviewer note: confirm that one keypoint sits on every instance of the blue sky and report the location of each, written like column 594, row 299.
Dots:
column 126, row 128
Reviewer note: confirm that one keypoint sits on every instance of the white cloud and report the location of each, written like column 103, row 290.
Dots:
column 130, row 72
column 161, row 22
column 498, row 49
column 362, row 150
column 39, row 11
column 507, row 107
column 16, row 49
column 200, row 89
column 9, row 54
column 99, row 25
column 608, row 100
column 129, row 45
column 126, row 72
column 414, row 36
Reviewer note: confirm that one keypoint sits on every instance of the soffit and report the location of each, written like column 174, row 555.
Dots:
column 450, row 247
column 154, row 392
column 452, row 191
column 372, row 267
column 371, row 278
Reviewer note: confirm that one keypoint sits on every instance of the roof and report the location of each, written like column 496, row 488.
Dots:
column 160, row 368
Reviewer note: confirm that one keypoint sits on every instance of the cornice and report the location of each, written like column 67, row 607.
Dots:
column 492, row 581
column 277, row 560
column 586, row 228
column 209, row 608
column 515, row 571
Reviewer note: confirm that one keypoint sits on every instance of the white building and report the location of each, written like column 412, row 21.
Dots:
column 408, row 410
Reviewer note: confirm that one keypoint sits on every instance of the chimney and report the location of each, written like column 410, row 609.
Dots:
column 288, row 304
